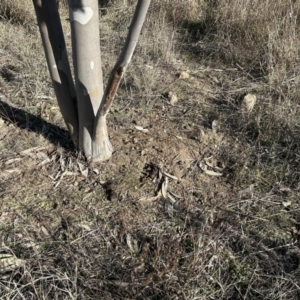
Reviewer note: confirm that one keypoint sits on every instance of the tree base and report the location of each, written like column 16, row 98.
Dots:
column 102, row 148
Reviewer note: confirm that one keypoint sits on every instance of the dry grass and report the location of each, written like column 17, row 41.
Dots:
column 262, row 36
column 71, row 230
column 17, row 12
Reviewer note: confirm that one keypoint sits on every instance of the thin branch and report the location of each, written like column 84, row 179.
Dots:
column 125, row 56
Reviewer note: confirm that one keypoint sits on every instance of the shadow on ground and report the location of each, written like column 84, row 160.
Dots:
column 27, row 121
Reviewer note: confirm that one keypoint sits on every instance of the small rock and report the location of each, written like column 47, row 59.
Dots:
column 286, row 204
column 249, row 101
column 184, row 75
column 214, row 126
column 172, row 98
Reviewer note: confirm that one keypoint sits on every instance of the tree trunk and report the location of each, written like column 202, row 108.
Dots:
column 87, row 126
column 58, row 63
column 84, row 19
column 101, row 142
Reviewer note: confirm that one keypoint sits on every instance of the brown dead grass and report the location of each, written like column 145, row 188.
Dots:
column 73, row 230
column 17, row 12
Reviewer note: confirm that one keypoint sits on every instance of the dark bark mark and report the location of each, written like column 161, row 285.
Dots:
column 112, row 88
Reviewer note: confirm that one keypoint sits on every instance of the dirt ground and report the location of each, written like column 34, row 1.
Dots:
column 200, row 199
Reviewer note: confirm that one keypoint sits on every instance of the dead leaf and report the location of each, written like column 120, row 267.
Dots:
column 83, row 171
column 184, row 75
column 164, row 187
column 160, row 174
column 175, row 195
column 249, row 102
column 10, row 161
column 208, row 172
column 140, row 128
column 211, row 162
column 44, row 230
column 214, row 126
column 132, row 243
column 62, row 163
column 169, row 175
column 96, row 171
column 44, row 162
column 212, row 261
column 286, row 204
column 172, row 98
column 85, row 226
column 9, row 262
column 28, row 151
column 150, row 198
column 171, row 198
column 7, row 173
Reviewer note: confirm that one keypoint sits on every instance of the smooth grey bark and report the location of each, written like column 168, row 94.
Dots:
column 88, row 124
column 58, row 64
column 84, row 19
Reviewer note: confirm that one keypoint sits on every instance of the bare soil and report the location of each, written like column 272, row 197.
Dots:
column 200, row 199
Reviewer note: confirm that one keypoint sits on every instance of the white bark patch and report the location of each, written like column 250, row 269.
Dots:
column 54, row 66
column 82, row 15
column 129, row 58
column 92, row 64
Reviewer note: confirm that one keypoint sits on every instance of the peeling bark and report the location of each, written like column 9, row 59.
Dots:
column 125, row 56
column 102, row 148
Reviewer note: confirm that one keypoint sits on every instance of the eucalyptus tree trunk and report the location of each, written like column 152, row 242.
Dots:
column 87, row 67
column 87, row 120
column 101, row 144
column 58, row 63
